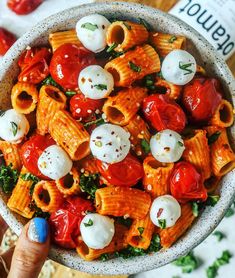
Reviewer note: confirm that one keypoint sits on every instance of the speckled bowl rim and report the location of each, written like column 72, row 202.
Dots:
column 209, row 219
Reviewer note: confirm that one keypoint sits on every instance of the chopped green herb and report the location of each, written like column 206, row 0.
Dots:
column 162, row 223
column 50, row 81
column 38, row 212
column 2, row 113
column 172, row 39
column 30, row 177
column 104, row 257
column 101, row 87
column 97, row 122
column 219, row 235
column 89, row 223
column 8, row 178
column 89, row 184
column 112, row 47
column 149, row 82
column 141, row 230
column 195, row 209
column 159, row 74
column 145, row 23
column 230, row 212
column 180, row 143
column 70, row 93
column 127, row 25
column 134, row 67
column 145, row 146
column 186, row 67
column 14, row 127
column 126, row 222
column 212, row 200
column 90, row 26
column 212, row 271
column 214, row 137
column 188, row 263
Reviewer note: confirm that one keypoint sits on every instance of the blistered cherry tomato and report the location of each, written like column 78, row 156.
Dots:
column 65, row 222
column 35, row 65
column 186, row 183
column 82, row 107
column 201, row 97
column 125, row 173
column 32, row 149
column 6, row 40
column 67, row 62
column 164, row 113
column 22, row 7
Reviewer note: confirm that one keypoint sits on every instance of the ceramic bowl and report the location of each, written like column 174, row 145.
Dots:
column 205, row 55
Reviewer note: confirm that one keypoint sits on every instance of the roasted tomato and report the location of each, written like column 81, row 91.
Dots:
column 6, row 40
column 201, row 97
column 31, row 151
column 65, row 222
column 125, row 173
column 164, row 113
column 22, row 7
column 186, row 183
column 82, row 107
column 67, row 62
column 35, row 65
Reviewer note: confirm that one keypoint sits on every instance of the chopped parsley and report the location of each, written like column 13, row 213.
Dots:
column 127, row 25
column 141, row 230
column 2, row 113
column 38, row 212
column 8, row 178
column 212, row 271
column 50, row 81
column 162, row 223
column 219, row 235
column 89, row 223
column 125, row 222
column 180, row 144
column 149, row 81
column 212, row 200
column 89, row 184
column 14, row 127
column 188, row 263
column 145, row 146
column 172, row 39
column 101, row 87
column 112, row 47
column 70, row 93
column 30, row 177
column 134, row 67
column 90, row 26
column 104, row 257
column 97, row 122
column 214, row 137
column 145, row 24
column 186, row 67
column 195, row 209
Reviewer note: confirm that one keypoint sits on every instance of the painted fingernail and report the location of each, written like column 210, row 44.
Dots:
column 38, row 230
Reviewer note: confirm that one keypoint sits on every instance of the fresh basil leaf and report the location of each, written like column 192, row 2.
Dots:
column 112, row 47
column 214, row 137
column 89, row 223
column 14, row 127
column 134, row 67
column 187, row 263
column 50, row 81
column 162, row 223
column 145, row 146
column 90, row 26
column 101, row 87
column 219, row 235
column 141, row 230
column 230, row 212
column 212, row 200
column 180, row 144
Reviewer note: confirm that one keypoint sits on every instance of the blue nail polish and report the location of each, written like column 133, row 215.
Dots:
column 38, row 230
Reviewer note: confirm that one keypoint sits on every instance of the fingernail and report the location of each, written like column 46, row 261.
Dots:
column 38, row 230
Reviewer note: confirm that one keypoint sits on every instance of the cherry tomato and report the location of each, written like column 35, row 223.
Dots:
column 22, row 7
column 186, row 183
column 82, row 107
column 34, row 64
column 6, row 40
column 201, row 97
column 67, row 62
column 124, row 173
column 65, row 222
column 32, row 149
column 164, row 113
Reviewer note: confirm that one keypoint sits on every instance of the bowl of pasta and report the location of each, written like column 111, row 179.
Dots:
column 117, row 127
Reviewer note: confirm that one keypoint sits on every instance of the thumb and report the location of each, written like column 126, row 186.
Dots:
column 31, row 250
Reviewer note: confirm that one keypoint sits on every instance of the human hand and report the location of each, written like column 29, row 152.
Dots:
column 26, row 259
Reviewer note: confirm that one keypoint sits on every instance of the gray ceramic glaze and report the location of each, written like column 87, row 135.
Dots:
column 205, row 56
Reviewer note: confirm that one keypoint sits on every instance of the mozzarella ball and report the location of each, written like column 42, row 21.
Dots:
column 167, row 146
column 13, row 126
column 91, row 31
column 179, row 67
column 165, row 208
column 110, row 143
column 54, row 163
column 97, row 230
column 95, row 82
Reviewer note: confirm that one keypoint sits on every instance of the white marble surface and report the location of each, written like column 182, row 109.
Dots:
column 210, row 249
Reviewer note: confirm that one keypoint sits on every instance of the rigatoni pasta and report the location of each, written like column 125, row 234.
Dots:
column 224, row 115
column 171, row 90
column 11, row 154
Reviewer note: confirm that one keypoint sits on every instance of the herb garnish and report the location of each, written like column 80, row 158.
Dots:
column 90, row 26
column 101, row 87
column 231, row 210
column 212, row 271
column 134, row 67
column 213, row 137
column 195, row 209
column 180, row 143
column 2, row 113
column 38, row 212
column 125, row 222
column 89, row 223
column 50, row 81
column 97, row 122
column 8, row 178
column 112, row 47
column 149, row 81
column 127, row 25
column 145, row 146
column 172, row 39
column 104, row 257
column 185, row 67
column 30, row 177
column 162, row 223
column 188, row 263
column 14, row 127
column 141, row 230
column 145, row 23
column 219, row 235
column 89, row 184
column 212, row 200
column 70, row 93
